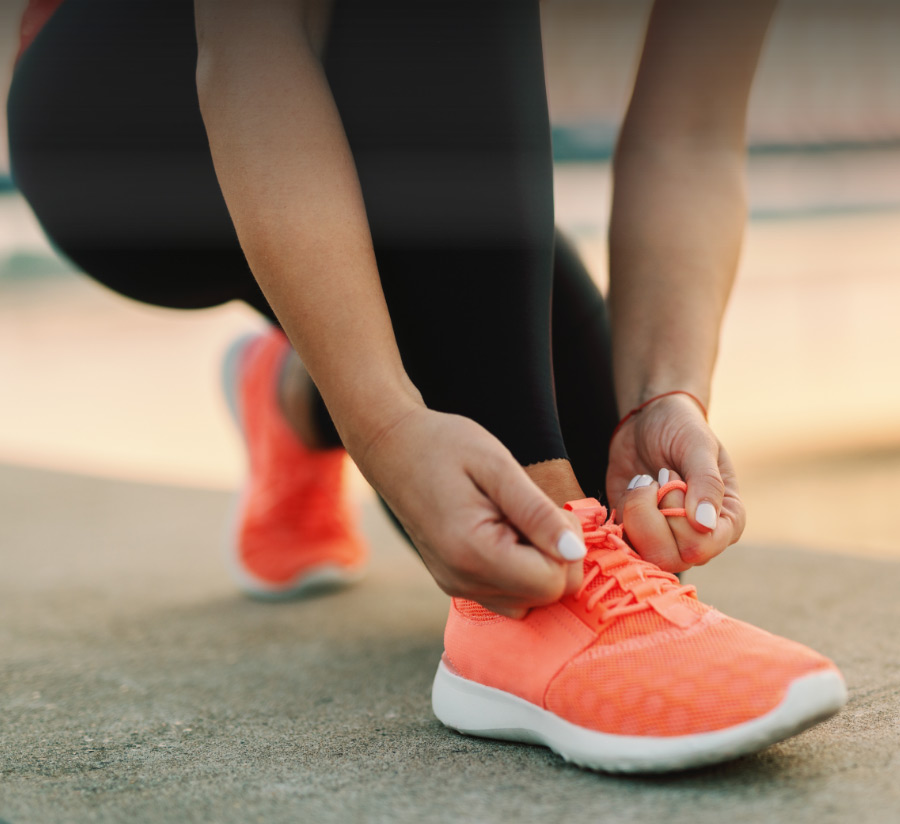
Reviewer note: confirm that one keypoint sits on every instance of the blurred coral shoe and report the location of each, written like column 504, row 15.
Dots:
column 630, row 674
column 293, row 533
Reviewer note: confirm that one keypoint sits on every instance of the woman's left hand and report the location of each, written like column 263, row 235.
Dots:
column 672, row 434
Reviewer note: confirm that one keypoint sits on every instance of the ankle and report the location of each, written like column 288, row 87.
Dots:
column 556, row 479
column 295, row 396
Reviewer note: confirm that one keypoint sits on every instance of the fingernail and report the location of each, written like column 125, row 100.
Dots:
column 663, row 477
column 633, row 481
column 643, row 480
column 706, row 515
column 570, row 547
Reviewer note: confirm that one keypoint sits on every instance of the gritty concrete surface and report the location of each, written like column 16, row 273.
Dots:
column 137, row 686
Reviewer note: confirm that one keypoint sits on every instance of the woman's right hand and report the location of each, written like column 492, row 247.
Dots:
column 484, row 530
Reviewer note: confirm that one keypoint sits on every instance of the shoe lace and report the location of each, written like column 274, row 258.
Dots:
column 644, row 586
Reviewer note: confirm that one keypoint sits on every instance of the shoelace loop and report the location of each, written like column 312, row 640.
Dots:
column 645, row 585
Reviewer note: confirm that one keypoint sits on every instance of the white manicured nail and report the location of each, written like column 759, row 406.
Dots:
column 643, row 480
column 633, row 481
column 570, row 547
column 663, row 477
column 706, row 515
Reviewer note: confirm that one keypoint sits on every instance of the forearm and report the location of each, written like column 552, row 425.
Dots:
column 290, row 183
column 675, row 237
column 679, row 204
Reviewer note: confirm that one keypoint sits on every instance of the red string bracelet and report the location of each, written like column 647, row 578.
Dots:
column 637, row 409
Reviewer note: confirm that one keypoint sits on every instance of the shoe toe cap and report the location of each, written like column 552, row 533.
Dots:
column 724, row 674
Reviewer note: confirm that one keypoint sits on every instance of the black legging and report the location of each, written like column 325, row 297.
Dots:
column 445, row 109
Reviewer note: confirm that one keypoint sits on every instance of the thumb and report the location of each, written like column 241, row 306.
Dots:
column 705, row 487
column 548, row 528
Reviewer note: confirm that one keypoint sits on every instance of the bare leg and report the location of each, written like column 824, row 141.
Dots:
column 557, row 479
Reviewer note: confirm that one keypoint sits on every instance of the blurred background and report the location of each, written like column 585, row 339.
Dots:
column 807, row 394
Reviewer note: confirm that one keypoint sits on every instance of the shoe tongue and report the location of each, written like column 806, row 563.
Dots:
column 590, row 512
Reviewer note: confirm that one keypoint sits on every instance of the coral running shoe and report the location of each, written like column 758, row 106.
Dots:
column 631, row 673
column 293, row 533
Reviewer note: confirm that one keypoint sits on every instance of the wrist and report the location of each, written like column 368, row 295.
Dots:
column 364, row 411
column 631, row 397
column 676, row 395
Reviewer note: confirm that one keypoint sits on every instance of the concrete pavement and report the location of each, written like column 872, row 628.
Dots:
column 136, row 685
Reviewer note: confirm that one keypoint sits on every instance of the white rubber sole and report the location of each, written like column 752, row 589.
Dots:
column 475, row 709
column 313, row 580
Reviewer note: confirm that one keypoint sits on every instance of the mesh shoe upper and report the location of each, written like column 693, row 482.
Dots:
column 293, row 512
column 632, row 653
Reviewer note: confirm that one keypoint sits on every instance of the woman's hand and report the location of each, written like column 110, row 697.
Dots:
column 485, row 531
column 677, row 222
column 672, row 434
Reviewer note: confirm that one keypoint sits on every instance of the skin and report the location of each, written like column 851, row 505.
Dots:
column 677, row 224
column 487, row 528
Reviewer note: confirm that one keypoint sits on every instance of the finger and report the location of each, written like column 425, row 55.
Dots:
column 638, row 481
column 575, row 569
column 618, row 503
column 670, row 495
column 695, row 548
column 706, row 489
column 516, row 575
column 732, row 507
column 542, row 524
column 574, row 578
column 648, row 529
column 501, row 608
